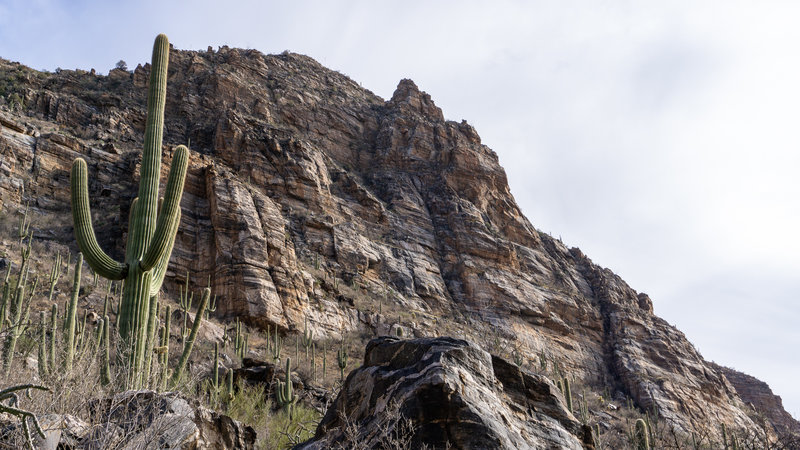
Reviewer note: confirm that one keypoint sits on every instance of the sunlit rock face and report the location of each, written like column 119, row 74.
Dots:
column 307, row 196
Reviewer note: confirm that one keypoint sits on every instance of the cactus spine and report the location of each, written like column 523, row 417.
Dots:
column 152, row 229
column 187, row 346
column 285, row 393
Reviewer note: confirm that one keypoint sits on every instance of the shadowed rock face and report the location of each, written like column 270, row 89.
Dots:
column 452, row 392
column 300, row 181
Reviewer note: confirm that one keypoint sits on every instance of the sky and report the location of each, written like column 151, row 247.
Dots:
column 659, row 137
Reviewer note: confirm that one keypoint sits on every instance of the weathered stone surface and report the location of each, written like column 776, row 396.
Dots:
column 452, row 392
column 147, row 419
column 758, row 394
column 302, row 184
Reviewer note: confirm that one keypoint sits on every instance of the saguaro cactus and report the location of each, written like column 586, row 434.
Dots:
column 152, row 230
column 72, row 311
column 187, row 346
column 285, row 393
column 640, row 438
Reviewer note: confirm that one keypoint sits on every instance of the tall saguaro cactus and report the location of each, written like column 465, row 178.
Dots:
column 152, row 230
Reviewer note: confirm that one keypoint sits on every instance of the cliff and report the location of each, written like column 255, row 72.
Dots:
column 309, row 196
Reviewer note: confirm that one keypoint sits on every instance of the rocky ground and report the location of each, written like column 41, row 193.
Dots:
column 310, row 198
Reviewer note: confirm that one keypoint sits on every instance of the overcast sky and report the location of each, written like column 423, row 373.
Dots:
column 662, row 139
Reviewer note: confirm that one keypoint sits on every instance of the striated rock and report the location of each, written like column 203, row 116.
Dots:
column 452, row 392
column 308, row 196
column 758, row 394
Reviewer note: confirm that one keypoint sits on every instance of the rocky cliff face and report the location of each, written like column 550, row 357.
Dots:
column 309, row 196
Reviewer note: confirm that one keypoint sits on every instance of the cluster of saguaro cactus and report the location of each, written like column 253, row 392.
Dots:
column 152, row 228
column 516, row 355
column 240, row 341
column 284, row 392
column 341, row 359
column 14, row 309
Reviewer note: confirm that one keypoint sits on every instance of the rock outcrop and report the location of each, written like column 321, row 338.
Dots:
column 140, row 419
column 445, row 391
column 308, row 196
column 760, row 398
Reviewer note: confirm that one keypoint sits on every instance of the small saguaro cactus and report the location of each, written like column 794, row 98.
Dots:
column 212, row 306
column 187, row 346
column 53, row 331
column 42, row 355
column 640, row 436
column 17, row 321
column 230, row 392
column 164, row 346
column 517, row 356
column 55, row 274
column 341, row 359
column 71, row 312
column 105, row 368
column 215, row 373
column 275, row 345
column 152, row 229
column 284, row 392
column 567, row 394
column 307, row 338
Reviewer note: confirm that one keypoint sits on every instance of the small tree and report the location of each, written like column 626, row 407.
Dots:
column 122, row 65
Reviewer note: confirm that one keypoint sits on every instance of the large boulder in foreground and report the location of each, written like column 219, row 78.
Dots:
column 440, row 391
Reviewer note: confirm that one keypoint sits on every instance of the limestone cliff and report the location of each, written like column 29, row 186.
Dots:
column 309, row 196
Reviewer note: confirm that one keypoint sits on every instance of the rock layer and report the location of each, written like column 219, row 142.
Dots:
column 301, row 182
column 451, row 393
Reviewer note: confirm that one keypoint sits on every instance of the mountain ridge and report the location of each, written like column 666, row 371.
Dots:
column 299, row 177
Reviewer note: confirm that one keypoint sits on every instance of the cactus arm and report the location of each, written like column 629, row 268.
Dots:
column 169, row 216
column 160, row 270
column 98, row 260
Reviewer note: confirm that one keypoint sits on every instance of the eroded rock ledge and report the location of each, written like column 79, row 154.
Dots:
column 452, row 392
